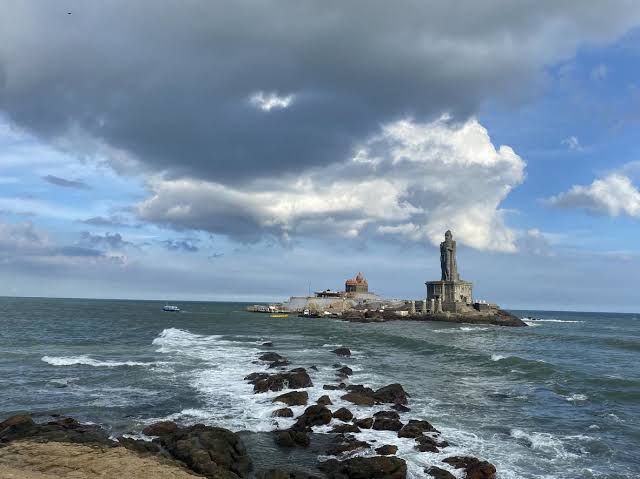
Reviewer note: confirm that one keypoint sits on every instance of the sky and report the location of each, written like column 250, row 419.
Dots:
column 249, row 151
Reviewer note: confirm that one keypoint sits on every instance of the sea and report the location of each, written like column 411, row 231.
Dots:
column 558, row 399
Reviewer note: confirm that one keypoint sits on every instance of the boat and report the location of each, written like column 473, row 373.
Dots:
column 170, row 308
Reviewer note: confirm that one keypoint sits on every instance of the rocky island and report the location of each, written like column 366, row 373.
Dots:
column 448, row 299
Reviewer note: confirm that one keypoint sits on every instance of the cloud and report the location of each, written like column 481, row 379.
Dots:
column 185, row 245
column 572, row 143
column 113, row 221
column 165, row 86
column 613, row 195
column 112, row 241
column 413, row 181
column 270, row 101
column 56, row 180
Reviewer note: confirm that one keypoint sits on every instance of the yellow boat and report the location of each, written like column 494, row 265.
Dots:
column 279, row 315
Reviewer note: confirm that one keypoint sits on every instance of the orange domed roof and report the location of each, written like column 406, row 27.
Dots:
column 359, row 279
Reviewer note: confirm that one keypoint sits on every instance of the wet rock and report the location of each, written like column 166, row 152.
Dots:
column 298, row 370
column 292, row 438
column 360, row 389
column 60, row 429
column 393, row 393
column 315, row 415
column 386, row 424
column 387, row 450
column 343, row 414
column 160, row 428
column 342, row 351
column 324, row 401
column 400, row 408
column 386, row 415
column 279, row 363
column 284, row 412
column 282, row 474
column 365, row 423
column 345, row 429
column 329, row 387
column 267, row 344
column 211, row 451
column 270, row 357
column 346, row 370
column 142, row 447
column 347, row 445
column 439, row 473
column 294, row 379
column 342, row 386
column 415, row 429
column 293, row 398
column 359, row 399
column 376, row 467
column 474, row 468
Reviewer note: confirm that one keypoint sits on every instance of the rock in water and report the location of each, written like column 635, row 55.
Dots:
column 293, row 398
column 160, row 428
column 359, row 399
column 387, row 450
column 364, row 423
column 294, row 379
column 343, row 414
column 376, row 467
column 342, row 351
column 345, row 429
column 291, row 438
column 324, row 401
column 439, row 473
column 315, row 415
column 211, row 451
column 393, row 393
column 474, row 468
column 414, row 429
column 284, row 412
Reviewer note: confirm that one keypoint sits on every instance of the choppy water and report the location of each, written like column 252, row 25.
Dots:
column 560, row 399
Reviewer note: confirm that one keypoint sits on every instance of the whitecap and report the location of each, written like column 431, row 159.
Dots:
column 557, row 321
column 497, row 357
column 88, row 361
column 577, row 397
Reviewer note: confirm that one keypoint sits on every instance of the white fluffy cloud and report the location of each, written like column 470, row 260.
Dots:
column 270, row 101
column 612, row 195
column 413, row 180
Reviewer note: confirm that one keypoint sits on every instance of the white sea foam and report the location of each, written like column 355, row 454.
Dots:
column 88, row 361
column 555, row 321
column 577, row 397
column 543, row 442
column 463, row 329
column 497, row 357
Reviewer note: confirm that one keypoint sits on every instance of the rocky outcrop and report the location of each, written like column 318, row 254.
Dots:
column 292, row 438
column 284, row 412
column 415, row 429
column 365, row 396
column 474, row 468
column 364, row 423
column 439, row 473
column 387, row 421
column 212, row 451
column 346, row 444
column 387, row 450
column 293, row 398
column 315, row 415
column 345, row 429
column 324, row 401
column 359, row 399
column 375, row 467
column 58, row 429
column 161, row 428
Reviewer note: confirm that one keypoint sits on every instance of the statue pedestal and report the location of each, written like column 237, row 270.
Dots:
column 450, row 292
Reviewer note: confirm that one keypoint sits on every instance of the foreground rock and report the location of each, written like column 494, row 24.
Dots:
column 376, row 467
column 474, row 468
column 161, row 428
column 293, row 398
column 439, row 473
column 364, row 396
column 498, row 317
column 58, row 429
column 63, row 460
column 315, row 415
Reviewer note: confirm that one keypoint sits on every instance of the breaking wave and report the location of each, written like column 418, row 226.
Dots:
column 88, row 361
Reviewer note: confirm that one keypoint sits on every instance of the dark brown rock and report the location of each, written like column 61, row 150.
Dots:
column 359, row 399
column 343, row 414
column 439, row 473
column 345, row 429
column 393, row 393
column 293, row 398
column 329, row 387
column 17, row 422
column 386, row 424
column 400, row 408
column 430, row 444
column 160, row 428
column 360, row 389
column 474, row 468
column 364, row 423
column 294, row 379
column 342, row 351
column 386, row 415
column 315, row 415
column 347, row 446
column 414, row 429
column 280, row 363
column 271, row 356
column 387, row 450
column 375, row 467
column 346, row 370
column 324, row 401
column 211, row 451
column 284, row 412
column 59, row 429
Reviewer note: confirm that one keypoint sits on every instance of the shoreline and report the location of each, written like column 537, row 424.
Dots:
column 328, row 441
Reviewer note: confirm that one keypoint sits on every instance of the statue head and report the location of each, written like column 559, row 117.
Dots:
column 448, row 236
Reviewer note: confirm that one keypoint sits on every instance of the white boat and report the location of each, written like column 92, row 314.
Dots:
column 173, row 309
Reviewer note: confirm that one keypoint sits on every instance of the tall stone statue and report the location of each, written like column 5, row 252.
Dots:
column 448, row 258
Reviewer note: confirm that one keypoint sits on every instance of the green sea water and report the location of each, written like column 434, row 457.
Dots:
column 558, row 399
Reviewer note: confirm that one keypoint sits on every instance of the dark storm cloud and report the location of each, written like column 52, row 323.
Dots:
column 56, row 180
column 168, row 83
